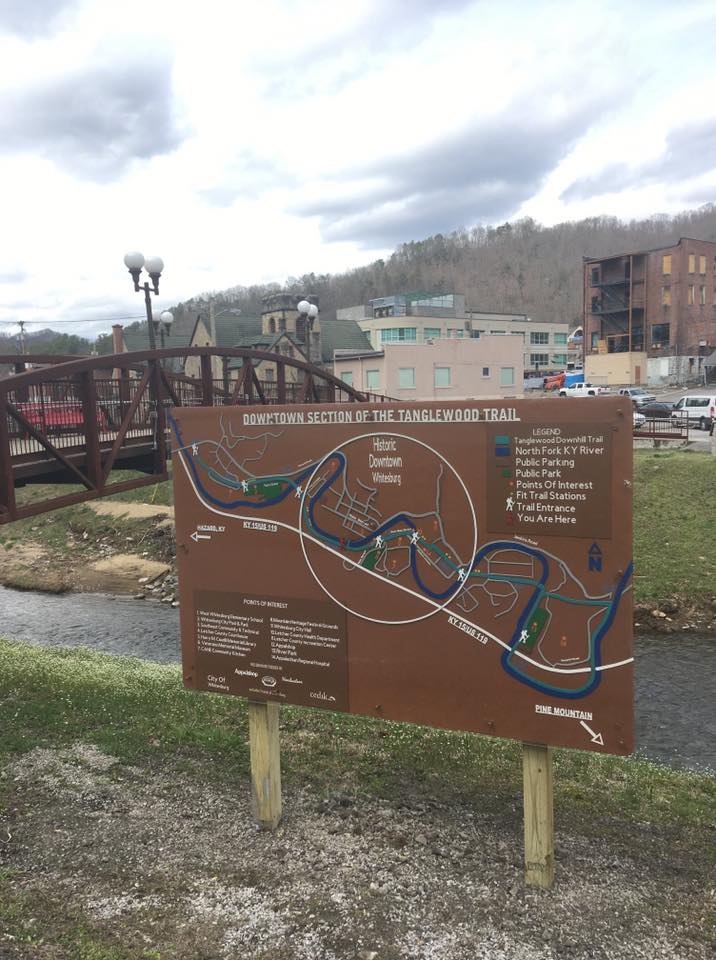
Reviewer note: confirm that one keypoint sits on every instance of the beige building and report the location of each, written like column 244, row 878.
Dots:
column 441, row 369
column 423, row 317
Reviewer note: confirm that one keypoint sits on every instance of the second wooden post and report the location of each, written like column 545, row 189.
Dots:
column 265, row 751
column 539, row 814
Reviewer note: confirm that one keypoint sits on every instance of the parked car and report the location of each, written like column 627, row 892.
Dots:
column 53, row 417
column 699, row 409
column 639, row 419
column 581, row 390
column 638, row 395
column 656, row 409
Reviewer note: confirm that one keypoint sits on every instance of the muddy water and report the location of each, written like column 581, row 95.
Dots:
column 676, row 676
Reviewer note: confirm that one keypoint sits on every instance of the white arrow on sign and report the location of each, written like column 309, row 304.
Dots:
column 596, row 737
column 196, row 536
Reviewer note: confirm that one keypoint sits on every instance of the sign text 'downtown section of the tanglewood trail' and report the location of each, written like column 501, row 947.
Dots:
column 464, row 565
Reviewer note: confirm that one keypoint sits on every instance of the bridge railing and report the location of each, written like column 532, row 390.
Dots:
column 78, row 421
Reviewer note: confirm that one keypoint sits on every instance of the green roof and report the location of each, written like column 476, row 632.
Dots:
column 341, row 335
column 230, row 331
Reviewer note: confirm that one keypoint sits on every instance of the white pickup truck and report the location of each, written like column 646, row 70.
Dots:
column 581, row 390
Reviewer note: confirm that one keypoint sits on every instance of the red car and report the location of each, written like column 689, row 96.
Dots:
column 554, row 382
column 58, row 416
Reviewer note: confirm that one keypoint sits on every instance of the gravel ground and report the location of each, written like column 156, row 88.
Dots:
column 168, row 865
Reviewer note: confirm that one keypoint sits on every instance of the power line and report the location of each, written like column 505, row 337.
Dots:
column 136, row 316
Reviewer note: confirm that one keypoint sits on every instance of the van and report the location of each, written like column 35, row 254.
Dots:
column 699, row 409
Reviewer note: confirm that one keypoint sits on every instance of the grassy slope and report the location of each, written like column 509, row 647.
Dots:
column 137, row 711
column 674, row 525
column 63, row 531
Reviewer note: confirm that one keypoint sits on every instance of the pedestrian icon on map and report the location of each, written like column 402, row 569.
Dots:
column 461, row 574
column 414, row 538
column 524, row 636
column 510, row 504
column 195, row 449
column 245, row 486
column 379, row 541
column 299, row 491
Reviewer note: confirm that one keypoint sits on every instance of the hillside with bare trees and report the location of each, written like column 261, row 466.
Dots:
column 522, row 266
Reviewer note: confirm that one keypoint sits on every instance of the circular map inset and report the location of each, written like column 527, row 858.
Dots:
column 387, row 528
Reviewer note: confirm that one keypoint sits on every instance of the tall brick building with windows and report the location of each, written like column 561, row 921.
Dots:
column 650, row 316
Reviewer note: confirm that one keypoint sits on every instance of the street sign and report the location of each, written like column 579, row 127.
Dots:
column 464, row 564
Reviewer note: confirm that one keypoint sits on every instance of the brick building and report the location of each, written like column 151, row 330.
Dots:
column 650, row 316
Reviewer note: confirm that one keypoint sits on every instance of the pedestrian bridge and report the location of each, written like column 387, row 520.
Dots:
column 78, row 421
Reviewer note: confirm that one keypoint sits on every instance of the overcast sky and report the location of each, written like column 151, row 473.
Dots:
column 247, row 141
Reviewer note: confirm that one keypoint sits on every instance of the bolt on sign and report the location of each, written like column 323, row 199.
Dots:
column 462, row 564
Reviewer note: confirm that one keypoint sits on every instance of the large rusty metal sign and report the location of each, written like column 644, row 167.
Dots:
column 461, row 564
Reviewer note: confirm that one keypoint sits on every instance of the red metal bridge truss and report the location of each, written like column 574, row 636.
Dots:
column 77, row 421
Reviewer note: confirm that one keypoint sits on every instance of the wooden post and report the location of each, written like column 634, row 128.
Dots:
column 7, row 480
column 160, row 423
column 90, row 417
column 265, row 763
column 207, row 381
column 281, row 381
column 539, row 814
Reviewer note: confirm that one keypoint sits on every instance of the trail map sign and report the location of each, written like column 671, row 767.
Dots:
column 461, row 564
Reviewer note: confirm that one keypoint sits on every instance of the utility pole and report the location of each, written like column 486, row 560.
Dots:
column 23, row 351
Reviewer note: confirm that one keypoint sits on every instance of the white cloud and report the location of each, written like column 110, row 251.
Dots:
column 249, row 142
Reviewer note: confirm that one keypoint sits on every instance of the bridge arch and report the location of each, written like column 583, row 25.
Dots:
column 78, row 420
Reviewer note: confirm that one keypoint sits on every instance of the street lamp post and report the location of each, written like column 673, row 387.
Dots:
column 309, row 311
column 134, row 262
column 162, row 325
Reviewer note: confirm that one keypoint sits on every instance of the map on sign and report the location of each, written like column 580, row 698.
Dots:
column 462, row 565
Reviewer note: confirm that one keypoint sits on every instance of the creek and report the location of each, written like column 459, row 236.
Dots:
column 675, row 675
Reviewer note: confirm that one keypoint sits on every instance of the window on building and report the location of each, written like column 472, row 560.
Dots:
column 537, row 338
column 595, row 339
column 431, row 333
column 666, row 296
column 702, row 295
column 372, row 379
column 497, row 333
column 346, row 376
column 406, row 377
column 560, row 339
column 595, row 276
column 690, row 293
column 507, row 376
column 486, row 371
column 660, row 334
column 560, row 359
column 666, row 264
column 399, row 335
column 539, row 359
column 268, row 373
column 475, row 334
column 456, row 332
column 702, row 265
column 442, row 376
column 692, row 263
